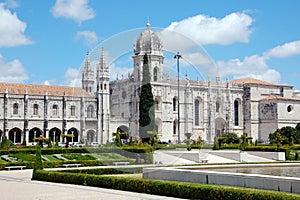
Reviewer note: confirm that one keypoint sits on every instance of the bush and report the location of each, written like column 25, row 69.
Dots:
column 165, row 188
column 38, row 165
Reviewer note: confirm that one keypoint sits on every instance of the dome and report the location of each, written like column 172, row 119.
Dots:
column 148, row 42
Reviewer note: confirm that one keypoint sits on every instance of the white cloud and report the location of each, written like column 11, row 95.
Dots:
column 72, row 77
column 285, row 50
column 203, row 29
column 77, row 10
column 90, row 38
column 253, row 66
column 12, row 29
column 12, row 71
column 187, row 36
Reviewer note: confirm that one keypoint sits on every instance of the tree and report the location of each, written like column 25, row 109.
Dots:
column 118, row 141
column 230, row 138
column 6, row 143
column 289, row 135
column 188, row 141
column 49, row 143
column 38, row 164
column 244, row 141
column 216, row 144
column 68, row 138
column 40, row 140
column 278, row 139
column 297, row 135
column 146, row 106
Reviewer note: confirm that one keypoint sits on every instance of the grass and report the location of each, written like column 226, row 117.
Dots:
column 78, row 156
column 105, row 156
column 24, row 157
column 51, row 158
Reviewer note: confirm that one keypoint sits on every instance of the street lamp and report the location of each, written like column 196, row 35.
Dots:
column 178, row 56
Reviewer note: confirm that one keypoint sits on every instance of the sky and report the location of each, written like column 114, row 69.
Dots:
column 46, row 42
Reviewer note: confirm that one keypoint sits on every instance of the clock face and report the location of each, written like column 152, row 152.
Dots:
column 124, row 94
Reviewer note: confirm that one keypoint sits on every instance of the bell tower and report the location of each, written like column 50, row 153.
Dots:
column 148, row 43
column 87, row 78
column 103, row 99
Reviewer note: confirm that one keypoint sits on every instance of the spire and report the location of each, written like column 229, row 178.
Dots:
column 102, row 59
column 102, row 67
column 87, row 62
column 148, row 24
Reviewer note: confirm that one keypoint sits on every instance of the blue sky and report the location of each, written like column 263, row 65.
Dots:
column 45, row 42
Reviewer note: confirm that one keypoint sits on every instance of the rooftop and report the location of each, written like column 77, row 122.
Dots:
column 16, row 88
column 274, row 97
column 252, row 81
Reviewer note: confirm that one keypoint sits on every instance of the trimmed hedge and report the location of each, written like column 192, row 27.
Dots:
column 102, row 171
column 146, row 153
column 165, row 188
column 55, row 164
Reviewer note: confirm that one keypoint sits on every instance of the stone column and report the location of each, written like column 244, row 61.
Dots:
column 25, row 130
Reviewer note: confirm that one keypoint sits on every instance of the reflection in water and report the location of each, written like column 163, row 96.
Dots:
column 274, row 171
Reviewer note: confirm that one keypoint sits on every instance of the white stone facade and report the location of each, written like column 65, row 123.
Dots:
column 102, row 106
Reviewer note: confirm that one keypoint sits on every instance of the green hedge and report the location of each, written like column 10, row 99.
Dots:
column 55, row 164
column 165, row 188
column 146, row 153
column 101, row 171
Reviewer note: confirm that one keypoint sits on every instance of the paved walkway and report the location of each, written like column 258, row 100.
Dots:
column 17, row 185
column 184, row 157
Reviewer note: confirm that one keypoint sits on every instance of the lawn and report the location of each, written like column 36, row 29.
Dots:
column 24, row 157
column 105, row 156
column 78, row 156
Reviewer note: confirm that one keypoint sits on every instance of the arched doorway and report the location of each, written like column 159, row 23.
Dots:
column 34, row 133
column 91, row 136
column 55, row 133
column 73, row 131
column 15, row 135
column 220, row 125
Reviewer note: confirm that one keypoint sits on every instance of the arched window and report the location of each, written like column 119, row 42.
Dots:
column 174, row 103
column 155, row 72
column 16, row 108
column 236, row 113
column 35, row 109
column 174, row 127
column 197, row 112
column 157, row 103
column 55, row 109
column 217, row 107
column 90, row 111
column 72, row 110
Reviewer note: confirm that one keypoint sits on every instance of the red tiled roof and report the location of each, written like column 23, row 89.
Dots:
column 252, row 81
column 274, row 97
column 15, row 88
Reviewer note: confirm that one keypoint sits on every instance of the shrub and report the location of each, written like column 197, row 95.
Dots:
column 165, row 188
column 38, row 165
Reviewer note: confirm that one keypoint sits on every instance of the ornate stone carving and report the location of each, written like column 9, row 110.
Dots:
column 268, row 110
